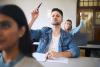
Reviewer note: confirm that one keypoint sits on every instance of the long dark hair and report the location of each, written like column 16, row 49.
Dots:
column 13, row 11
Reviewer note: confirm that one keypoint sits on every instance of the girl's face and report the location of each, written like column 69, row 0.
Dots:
column 9, row 33
column 68, row 25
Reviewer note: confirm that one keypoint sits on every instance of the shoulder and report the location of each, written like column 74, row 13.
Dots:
column 28, row 62
column 65, row 34
column 45, row 29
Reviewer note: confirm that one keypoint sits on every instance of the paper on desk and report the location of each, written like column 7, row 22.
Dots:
column 42, row 57
column 39, row 56
column 59, row 60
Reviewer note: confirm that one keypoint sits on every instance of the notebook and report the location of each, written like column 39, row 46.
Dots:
column 42, row 57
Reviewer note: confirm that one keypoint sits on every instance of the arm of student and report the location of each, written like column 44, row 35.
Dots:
column 77, row 29
column 35, row 35
column 66, row 54
column 53, row 54
column 73, row 49
column 34, row 15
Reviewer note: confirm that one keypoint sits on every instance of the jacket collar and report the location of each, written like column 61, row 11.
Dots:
column 63, row 33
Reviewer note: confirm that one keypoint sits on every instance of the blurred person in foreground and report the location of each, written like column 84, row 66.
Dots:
column 15, row 43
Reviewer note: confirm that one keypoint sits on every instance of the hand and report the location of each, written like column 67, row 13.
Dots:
column 53, row 55
column 35, row 14
column 82, row 16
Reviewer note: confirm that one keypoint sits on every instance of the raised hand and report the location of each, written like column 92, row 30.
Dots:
column 34, row 14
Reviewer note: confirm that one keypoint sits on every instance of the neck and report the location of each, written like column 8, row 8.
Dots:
column 10, row 54
column 56, row 30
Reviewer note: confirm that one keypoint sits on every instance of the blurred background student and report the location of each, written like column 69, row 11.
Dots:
column 15, row 43
column 68, row 27
column 79, row 37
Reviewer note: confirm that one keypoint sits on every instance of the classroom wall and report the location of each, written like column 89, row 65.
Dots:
column 67, row 6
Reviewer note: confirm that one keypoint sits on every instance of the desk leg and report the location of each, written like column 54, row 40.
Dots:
column 87, row 52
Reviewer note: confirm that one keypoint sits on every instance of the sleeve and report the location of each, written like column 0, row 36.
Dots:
column 77, row 29
column 35, row 35
column 73, row 48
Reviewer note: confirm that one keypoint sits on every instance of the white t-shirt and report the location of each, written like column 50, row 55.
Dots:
column 54, row 44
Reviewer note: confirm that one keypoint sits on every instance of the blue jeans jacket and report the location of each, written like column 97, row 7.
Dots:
column 65, row 42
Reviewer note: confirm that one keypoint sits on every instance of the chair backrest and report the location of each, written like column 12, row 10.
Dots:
column 94, row 42
column 81, row 39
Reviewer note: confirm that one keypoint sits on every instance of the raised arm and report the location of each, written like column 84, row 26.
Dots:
column 77, row 29
column 34, row 15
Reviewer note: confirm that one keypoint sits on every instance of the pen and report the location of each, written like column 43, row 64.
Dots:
column 46, row 57
column 39, row 5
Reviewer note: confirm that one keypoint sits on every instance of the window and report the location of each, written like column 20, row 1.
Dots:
column 89, row 2
column 91, row 11
column 97, row 18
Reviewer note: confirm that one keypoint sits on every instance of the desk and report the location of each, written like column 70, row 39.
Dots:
column 88, row 48
column 75, row 62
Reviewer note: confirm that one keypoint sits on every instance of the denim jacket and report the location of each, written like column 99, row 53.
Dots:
column 77, row 29
column 65, row 42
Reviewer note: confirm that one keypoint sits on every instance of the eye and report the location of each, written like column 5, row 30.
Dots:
column 52, row 15
column 58, row 16
column 5, row 25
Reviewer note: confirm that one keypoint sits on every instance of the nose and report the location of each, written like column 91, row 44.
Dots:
column 54, row 18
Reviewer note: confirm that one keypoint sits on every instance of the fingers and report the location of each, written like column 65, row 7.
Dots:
column 35, row 11
column 35, row 14
column 51, row 55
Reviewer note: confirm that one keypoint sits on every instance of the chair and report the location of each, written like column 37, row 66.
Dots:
column 80, row 39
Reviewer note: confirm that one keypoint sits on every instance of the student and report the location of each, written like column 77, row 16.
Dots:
column 68, row 27
column 54, row 41
column 15, row 42
column 79, row 38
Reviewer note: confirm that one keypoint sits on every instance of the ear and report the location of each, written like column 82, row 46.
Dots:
column 22, row 31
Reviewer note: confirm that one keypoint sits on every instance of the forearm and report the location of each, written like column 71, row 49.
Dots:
column 30, row 23
column 66, row 54
column 35, row 35
column 77, row 29
column 34, row 14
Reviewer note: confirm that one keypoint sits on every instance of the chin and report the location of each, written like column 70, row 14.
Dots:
column 55, row 24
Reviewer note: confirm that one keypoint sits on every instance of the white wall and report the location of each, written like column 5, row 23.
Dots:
column 67, row 6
